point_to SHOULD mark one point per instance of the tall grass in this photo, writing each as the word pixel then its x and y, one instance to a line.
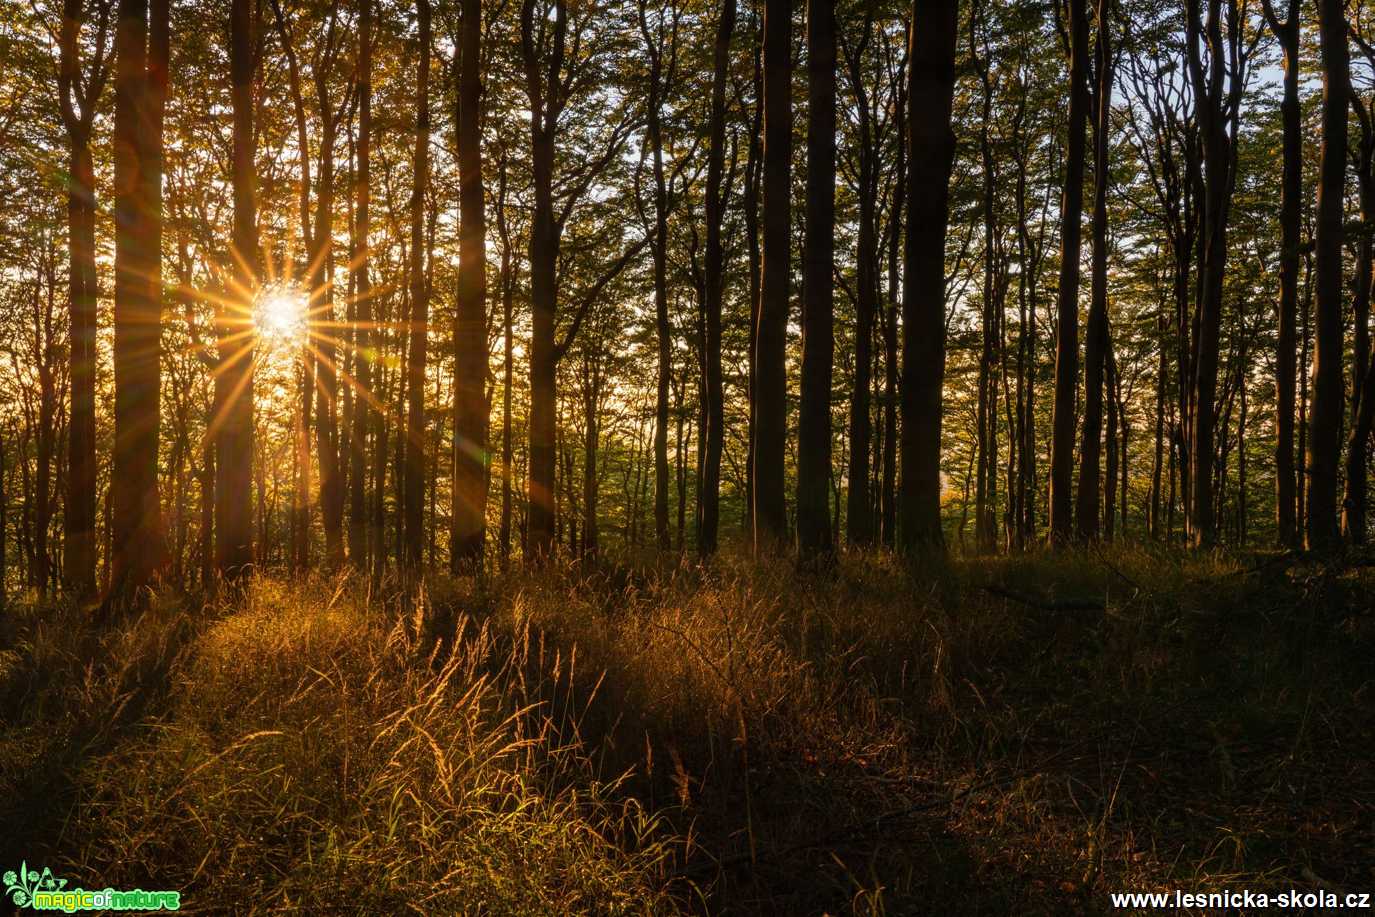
pixel 1015 734
pixel 306 754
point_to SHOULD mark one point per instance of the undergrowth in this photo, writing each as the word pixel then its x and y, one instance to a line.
pixel 1004 735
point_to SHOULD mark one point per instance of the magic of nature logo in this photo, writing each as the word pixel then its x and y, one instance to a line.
pixel 42 891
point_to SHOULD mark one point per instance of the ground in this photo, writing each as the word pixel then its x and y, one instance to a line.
pixel 1021 735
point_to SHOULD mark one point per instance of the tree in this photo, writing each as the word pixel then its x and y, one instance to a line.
pixel 556 64
pixel 1287 34
pixel 661 47
pixel 1096 343
pixel 79 98
pixel 141 54
pixel 931 156
pixel 413 486
pixel 1063 416
pixel 470 330
pixel 818 336
pixel 770 388
pixel 1217 90
pixel 710 496
pixel 234 376
pixel 362 536
pixel 1325 414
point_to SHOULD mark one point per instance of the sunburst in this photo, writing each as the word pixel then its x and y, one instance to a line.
pixel 279 315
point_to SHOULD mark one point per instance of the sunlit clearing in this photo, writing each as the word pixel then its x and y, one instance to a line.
pixel 280 315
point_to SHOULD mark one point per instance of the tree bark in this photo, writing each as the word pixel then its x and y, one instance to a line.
pixel 859 507
pixel 710 496
pixel 654 46
pixel 1063 419
pixel 818 289
pixel 140 90
pixel 470 331
pixel 79 511
pixel 416 434
pixel 931 156
pixel 361 535
pixel 1291 203
pixel 234 438
pixel 1325 414
pixel 1096 334
pixel 771 324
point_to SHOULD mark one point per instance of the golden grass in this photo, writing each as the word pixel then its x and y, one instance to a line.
pixel 1019 734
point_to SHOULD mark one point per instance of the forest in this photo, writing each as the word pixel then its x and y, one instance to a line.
pixel 687 456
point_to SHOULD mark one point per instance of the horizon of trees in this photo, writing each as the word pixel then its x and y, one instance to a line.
pixel 651 274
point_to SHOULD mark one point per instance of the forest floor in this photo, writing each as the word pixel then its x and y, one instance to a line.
pixel 1021 735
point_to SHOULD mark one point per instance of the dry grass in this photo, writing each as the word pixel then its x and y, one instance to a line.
pixel 1014 735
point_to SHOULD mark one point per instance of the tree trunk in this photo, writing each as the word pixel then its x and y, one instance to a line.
pixel 470 331
pixel 1067 305
pixel 888 496
pixel 322 341
pixel 414 485
pixel 1325 414
pixel 79 510
pixel 1218 157
pixel 1110 443
pixel 931 156
pixel 709 499
pixel 543 292
pixel 140 91
pixel 1291 203
pixel 986 415
pixel 771 324
pixel 234 438
pixel 753 184
pixel 859 510
pixel 1358 454
pixel 818 289
pixel 1096 334
pixel 361 535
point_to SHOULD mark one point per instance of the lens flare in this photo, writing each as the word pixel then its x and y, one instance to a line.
pixel 280 315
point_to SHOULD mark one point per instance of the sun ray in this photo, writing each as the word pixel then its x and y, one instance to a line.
pixel 280 315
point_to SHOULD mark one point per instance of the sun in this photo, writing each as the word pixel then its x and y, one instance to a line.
pixel 280 315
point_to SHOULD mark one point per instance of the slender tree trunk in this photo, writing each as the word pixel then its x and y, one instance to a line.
pixel 1218 158
pixel 1110 443
pixel 888 499
pixel 986 415
pixel 507 368
pixel 753 185
pixel 322 314
pixel 79 510
pixel 1354 498
pixel 931 156
pixel 1096 342
pixel 1324 441
pixel 859 516
pixel 771 323
pixel 662 329
pixel 361 535
pixel 591 399
pixel 140 88
pixel 818 335
pixel 1157 464
pixel 234 438
pixel 470 331
pixel 414 485
pixel 1291 202
pixel 544 246
pixel 1067 315
pixel 710 497
pixel 1358 454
